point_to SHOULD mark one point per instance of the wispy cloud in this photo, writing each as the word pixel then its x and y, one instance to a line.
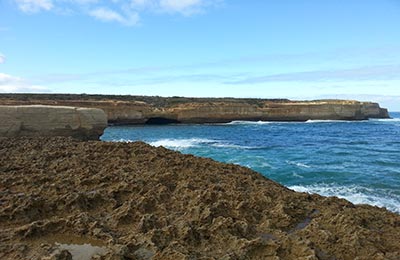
pixel 158 80
pixel 380 72
pixel 34 6
pixel 125 12
pixel 12 84
pixel 181 6
pixel 244 75
pixel 184 7
pixel 2 58
pixel 85 2
pixel 107 15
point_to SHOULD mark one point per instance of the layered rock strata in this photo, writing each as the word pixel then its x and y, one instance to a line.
pixel 153 110
pixel 61 197
pixel 42 120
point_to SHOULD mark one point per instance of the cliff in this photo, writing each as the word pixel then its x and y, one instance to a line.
pixel 158 110
pixel 41 120
pixel 60 198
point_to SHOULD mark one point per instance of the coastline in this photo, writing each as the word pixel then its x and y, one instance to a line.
pixel 124 110
pixel 138 201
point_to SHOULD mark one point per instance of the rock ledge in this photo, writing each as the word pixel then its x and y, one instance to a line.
pixel 42 120
pixel 165 110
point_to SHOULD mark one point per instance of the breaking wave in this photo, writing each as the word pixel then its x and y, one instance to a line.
pixel 195 142
pixel 239 122
pixel 181 143
pixel 330 121
pixel 355 194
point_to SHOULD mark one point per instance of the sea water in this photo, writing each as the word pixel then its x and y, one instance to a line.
pixel 355 160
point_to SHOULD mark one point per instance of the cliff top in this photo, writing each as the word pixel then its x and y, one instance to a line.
pixel 158 101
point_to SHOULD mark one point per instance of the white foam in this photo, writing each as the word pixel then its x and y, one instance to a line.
pixel 265 164
pixel 294 174
pixel 240 122
pixel 310 121
pixel 298 164
pixel 329 121
pixel 195 142
pixel 388 120
pixel 352 193
pixel 234 146
pixel 122 140
pixel 181 143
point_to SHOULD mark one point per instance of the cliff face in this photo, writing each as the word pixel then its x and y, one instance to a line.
pixel 270 111
pixel 141 110
pixel 40 120
pixel 134 201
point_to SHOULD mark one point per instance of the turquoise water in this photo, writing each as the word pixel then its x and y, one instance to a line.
pixel 358 161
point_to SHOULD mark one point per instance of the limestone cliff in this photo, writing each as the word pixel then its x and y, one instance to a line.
pixel 141 109
pixel 40 120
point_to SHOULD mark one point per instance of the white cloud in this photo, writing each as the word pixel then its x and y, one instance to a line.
pixel 181 6
pixel 107 15
pixel 377 72
pixel 85 2
pixel 185 7
pixel 34 6
pixel 142 3
pixel 12 84
pixel 2 58
pixel 126 12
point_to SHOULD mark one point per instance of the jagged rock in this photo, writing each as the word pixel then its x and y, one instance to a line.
pixel 41 120
pixel 135 201
pixel 59 255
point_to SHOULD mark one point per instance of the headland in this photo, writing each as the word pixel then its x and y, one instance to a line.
pixel 165 110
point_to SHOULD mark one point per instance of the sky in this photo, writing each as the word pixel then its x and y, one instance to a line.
pixel 297 49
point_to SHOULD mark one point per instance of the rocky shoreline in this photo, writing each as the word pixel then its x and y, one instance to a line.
pixel 165 110
pixel 61 197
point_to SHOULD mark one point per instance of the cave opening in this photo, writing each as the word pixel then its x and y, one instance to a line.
pixel 161 121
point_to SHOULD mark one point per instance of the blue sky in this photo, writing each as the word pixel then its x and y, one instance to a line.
pixel 298 49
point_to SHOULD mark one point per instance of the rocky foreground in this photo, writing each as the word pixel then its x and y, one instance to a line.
pixel 165 110
pixel 60 198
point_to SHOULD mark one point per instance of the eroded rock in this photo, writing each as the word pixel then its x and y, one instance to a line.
pixel 135 201
pixel 41 120
pixel 160 110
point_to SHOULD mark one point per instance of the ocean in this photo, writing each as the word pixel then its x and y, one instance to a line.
pixel 355 160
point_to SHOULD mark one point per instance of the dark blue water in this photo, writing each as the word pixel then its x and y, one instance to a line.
pixel 359 161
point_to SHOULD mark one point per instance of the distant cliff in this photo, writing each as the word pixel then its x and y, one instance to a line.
pixel 160 110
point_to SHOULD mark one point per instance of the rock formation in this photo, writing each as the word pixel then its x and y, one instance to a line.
pixel 41 120
pixel 153 110
pixel 60 197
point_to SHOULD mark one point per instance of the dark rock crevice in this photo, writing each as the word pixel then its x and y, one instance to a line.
pixel 161 121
